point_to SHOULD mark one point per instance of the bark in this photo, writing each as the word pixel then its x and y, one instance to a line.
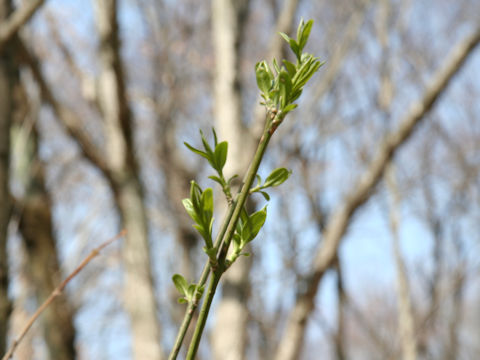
pixel 406 321
pixel 292 340
pixel 228 16
pixel 36 227
pixel 7 81
pixel 139 294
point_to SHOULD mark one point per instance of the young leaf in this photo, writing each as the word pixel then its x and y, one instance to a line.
pixel 215 140
pixel 265 195
pixel 302 41
pixel 207 147
pixel 293 44
pixel 291 68
pixel 236 243
pixel 285 87
pixel 253 225
pixel 259 179
pixel 180 283
pixel 221 155
pixel 196 151
pixel 286 37
pixel 300 29
pixel 207 202
pixel 264 77
pixel 276 177
pixel 218 180
pixel 238 227
pixel 191 291
pixel 187 204
pixel 204 233
pixel 289 108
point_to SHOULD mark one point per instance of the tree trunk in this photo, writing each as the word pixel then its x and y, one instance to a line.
pixel 36 227
pixel 139 293
pixel 7 79
pixel 228 16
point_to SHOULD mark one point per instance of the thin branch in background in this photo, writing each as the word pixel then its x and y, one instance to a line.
pixel 406 321
pixel 458 282
pixel 88 83
pixel 339 54
pixel 339 337
pixel 58 291
pixel 10 27
pixel 68 119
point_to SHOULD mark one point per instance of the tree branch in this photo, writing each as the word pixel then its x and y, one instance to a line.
pixel 67 118
pixel 11 26
pixel 58 291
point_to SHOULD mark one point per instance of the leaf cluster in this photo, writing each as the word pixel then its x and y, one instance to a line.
pixel 189 292
pixel 200 208
pixel 247 229
pixel 281 87
pixel 277 177
pixel 216 156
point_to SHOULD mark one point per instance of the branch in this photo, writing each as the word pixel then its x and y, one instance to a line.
pixel 11 26
pixel 58 291
pixel 405 314
pixel 237 207
pixel 87 82
pixel 341 218
pixel 67 118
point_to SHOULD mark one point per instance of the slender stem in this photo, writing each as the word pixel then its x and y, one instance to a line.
pixel 240 202
pixel 202 319
pixel 192 306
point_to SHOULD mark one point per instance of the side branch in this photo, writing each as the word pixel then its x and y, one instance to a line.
pixel 56 292
pixel 291 341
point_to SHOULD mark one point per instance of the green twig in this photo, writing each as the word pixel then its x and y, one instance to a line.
pixel 241 199
pixel 192 306
pixel 279 88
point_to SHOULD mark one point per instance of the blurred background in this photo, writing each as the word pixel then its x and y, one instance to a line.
pixel 370 249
